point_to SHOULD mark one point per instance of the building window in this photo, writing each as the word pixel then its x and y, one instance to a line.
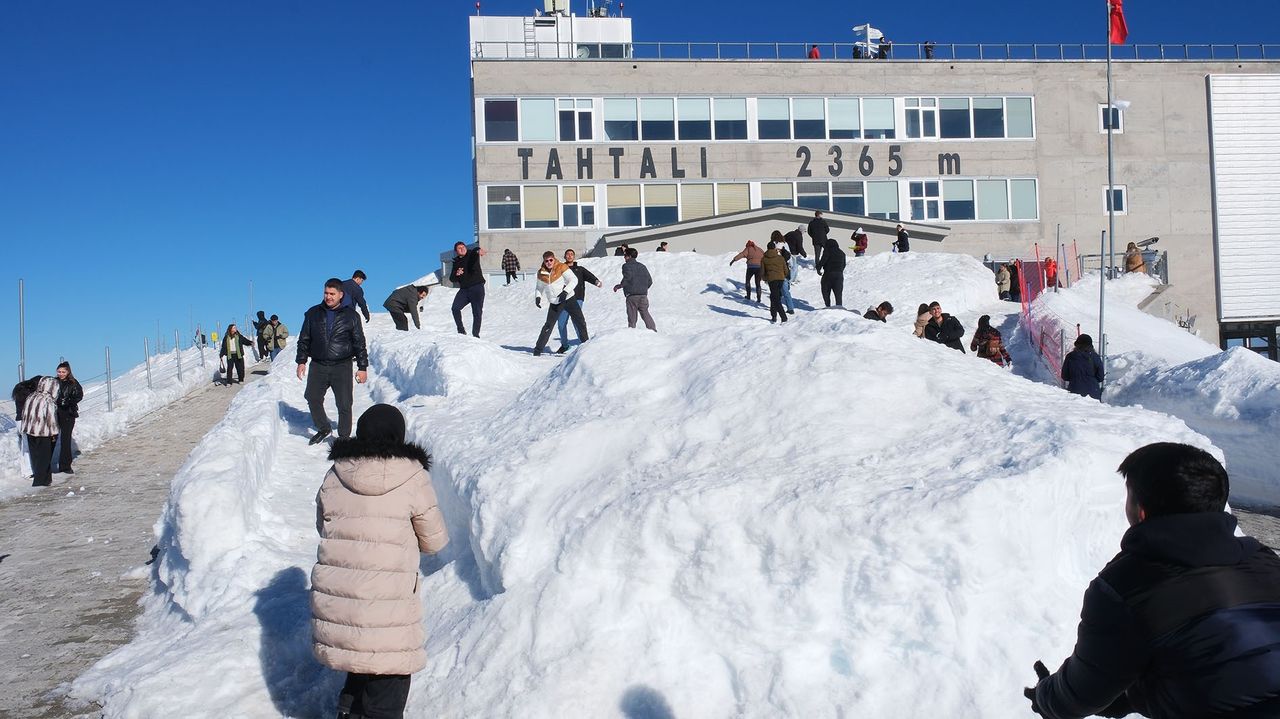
pixel 620 121
pixel 813 195
pixel 1018 117
pixel 1260 337
pixel 730 118
pixel 877 118
pixel 504 207
pixel 538 120
pixel 957 199
pixel 1022 200
pixel 1112 117
pixel 922 117
pixel 500 121
pixel 882 200
pixel 697 201
pixel 575 119
pixel 775 194
pixel 695 118
pixel 988 117
pixel 657 119
pixel 579 206
pixel 843 114
pixel 993 200
pixel 660 207
pixel 1117 198
pixel 811 122
pixel 624 206
pixel 847 197
pixel 773 118
pixel 926 200
pixel 541 205
pixel 954 117
pixel 732 197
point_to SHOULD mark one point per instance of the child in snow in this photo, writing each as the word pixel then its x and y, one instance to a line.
pixel 375 512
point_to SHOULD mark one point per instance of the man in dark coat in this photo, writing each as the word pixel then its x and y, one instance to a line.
pixel 903 244
pixel 830 264
pixel 353 293
pixel 331 337
pixel 818 231
pixel 405 301
pixel 635 285
pixel 795 241
pixel 579 296
pixel 469 279
pixel 943 328
pixel 260 338
pixel 1185 620
pixel 1082 369
pixel 880 313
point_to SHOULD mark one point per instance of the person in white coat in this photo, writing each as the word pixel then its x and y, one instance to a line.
pixel 556 282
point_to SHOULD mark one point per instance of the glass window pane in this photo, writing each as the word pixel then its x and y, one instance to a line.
pixel 620 119
pixel 660 204
pixel 882 200
pixel 538 120
pixel 773 118
pixel 585 104
pixel 733 197
pixel 570 194
pixel 988 117
pixel 696 201
pixel 1022 193
pixel 659 194
pixel 541 207
pixel 657 118
pixel 913 123
pixel 813 195
pixel 1018 110
pixel 774 194
pixel 955 117
pixel 503 207
pixel 957 199
pixel 695 118
pixel 810 118
pixel 588 215
pixel 568 126
pixel 564 104
pixel 731 118
pixel 993 200
pixel 500 120
pixel 588 194
pixel 624 205
pixel 570 216
pixel 847 197
pixel 844 117
pixel 877 118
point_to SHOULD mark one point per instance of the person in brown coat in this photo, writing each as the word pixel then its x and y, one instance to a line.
pixel 754 256
pixel 375 512
pixel 1133 260
pixel 776 273
pixel 923 315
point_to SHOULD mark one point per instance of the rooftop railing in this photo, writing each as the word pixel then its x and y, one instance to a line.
pixel 846 51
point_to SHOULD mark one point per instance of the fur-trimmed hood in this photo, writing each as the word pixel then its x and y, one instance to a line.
pixel 375 468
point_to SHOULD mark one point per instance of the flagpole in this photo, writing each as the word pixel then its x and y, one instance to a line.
pixel 1111 192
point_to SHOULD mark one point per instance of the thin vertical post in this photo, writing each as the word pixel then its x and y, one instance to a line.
pixel 22 332
pixel 1102 300
pixel 1057 254
pixel 159 344
pixel 111 400
pixel 1111 161
pixel 146 358
pixel 177 353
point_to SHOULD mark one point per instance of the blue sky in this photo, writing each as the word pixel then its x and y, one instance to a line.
pixel 156 158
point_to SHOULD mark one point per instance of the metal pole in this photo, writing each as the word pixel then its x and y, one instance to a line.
pixel 146 358
pixel 1102 303
pixel 110 397
pixel 177 353
pixel 22 333
pixel 1057 255
pixel 1111 163
pixel 159 344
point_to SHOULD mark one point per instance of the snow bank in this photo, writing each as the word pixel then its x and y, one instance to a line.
pixel 729 518
pixel 131 400
pixel 1231 397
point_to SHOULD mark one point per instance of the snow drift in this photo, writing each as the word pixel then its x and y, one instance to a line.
pixel 728 518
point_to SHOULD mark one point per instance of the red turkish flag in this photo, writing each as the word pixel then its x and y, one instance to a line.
pixel 1119 28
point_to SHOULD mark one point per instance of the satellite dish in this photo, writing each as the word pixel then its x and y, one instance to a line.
pixel 584 51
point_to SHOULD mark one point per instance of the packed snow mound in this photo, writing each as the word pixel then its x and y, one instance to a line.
pixel 727 518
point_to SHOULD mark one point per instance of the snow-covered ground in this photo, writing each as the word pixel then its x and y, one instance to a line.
pixel 131 399
pixel 1231 397
pixel 829 517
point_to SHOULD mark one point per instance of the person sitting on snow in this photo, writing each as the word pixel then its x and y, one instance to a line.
pixel 943 328
pixel 880 313
pixel 1185 620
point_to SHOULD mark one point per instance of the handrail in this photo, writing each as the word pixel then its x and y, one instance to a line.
pixel 844 51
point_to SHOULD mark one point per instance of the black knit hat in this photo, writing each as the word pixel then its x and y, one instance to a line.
pixel 381 423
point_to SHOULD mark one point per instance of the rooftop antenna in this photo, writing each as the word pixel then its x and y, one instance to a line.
pixel 477 8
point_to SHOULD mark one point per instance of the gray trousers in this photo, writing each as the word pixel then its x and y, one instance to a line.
pixel 320 377
pixel 639 305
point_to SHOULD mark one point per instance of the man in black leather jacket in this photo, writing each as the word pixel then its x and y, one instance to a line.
pixel 331 337
pixel 1185 620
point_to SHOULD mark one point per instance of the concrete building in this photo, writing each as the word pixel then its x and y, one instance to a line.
pixel 581 133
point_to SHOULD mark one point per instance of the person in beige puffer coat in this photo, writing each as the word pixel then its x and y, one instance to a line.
pixel 375 512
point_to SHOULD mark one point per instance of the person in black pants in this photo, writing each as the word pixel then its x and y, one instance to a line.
pixel 818 231
pixel 831 267
pixel 331 337
pixel 232 351
pixel 469 278
pixel 69 395
pixel 403 302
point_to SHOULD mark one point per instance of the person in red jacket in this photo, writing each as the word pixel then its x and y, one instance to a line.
pixel 1050 272
pixel 813 53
